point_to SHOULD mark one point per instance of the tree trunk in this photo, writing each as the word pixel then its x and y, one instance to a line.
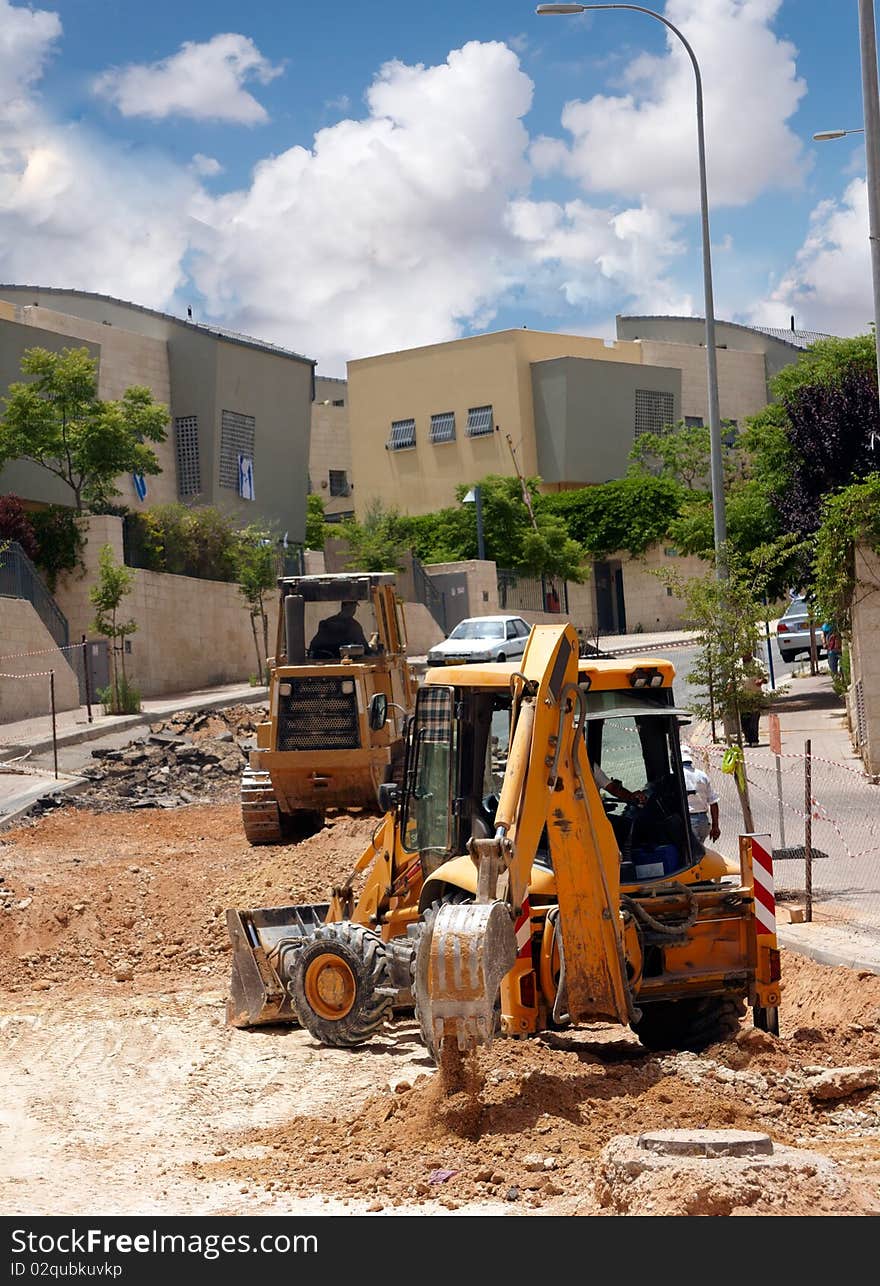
pixel 265 617
pixel 257 647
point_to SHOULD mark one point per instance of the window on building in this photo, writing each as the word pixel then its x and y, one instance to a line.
pixel 693 421
pixel 339 482
pixel 480 421
pixel 443 427
pixel 403 435
pixel 186 442
pixel 654 411
pixel 237 434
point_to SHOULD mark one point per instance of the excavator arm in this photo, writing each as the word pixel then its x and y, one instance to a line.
pixel 465 950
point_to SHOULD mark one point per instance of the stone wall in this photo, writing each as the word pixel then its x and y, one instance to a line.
pixel 863 699
pixel 191 633
pixel 22 631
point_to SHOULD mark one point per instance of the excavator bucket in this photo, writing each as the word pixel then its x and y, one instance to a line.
pixel 464 951
pixel 262 941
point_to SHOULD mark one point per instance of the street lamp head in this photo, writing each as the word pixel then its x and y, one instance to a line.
pixel 826 134
pixel 543 9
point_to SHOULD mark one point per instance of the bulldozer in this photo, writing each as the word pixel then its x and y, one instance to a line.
pixel 504 894
pixel 316 751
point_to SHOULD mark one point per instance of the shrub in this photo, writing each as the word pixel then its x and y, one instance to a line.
pixel 15 525
pixel 59 542
pixel 124 699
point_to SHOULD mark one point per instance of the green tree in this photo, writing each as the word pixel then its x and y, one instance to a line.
pixel 58 421
pixel 114 583
pixel 629 513
pixel 315 526
pixel 850 517
pixel 379 542
pixel 257 574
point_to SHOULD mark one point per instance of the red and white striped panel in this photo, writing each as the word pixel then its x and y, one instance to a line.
pixel 765 893
pixel 523 929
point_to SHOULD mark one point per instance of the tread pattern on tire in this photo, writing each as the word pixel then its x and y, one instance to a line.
pixel 689 1024
pixel 366 955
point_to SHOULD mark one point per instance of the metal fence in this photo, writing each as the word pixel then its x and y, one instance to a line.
pixel 519 593
pixel 808 802
pixel 426 592
pixel 19 578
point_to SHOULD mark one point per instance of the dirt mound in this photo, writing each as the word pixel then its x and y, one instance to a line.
pixel 126 896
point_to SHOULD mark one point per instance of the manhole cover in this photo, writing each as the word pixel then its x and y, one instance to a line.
pixel 706 1143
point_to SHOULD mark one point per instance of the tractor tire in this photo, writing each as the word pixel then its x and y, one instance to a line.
pixel 766 1018
pixel 692 1024
pixel 338 983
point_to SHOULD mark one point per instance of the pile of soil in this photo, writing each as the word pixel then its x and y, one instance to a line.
pixel 191 757
pixel 130 895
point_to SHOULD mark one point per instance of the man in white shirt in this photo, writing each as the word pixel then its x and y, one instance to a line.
pixel 702 799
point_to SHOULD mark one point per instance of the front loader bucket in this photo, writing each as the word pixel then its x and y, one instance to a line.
pixel 262 940
pixel 463 953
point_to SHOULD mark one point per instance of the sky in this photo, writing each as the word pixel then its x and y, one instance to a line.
pixel 346 179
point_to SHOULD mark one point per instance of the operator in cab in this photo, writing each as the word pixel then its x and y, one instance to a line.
pixel 342 629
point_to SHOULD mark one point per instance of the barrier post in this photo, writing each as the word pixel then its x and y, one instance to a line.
pixel 88 684
pixel 54 732
pixel 808 831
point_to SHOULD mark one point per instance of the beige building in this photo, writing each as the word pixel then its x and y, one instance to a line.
pixel 239 408
pixel 424 420
pixel 330 472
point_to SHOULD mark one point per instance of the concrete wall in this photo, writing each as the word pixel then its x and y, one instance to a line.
pixel 482 370
pixel 482 583
pixel 191 633
pixel 22 631
pixel 330 444
pixel 731 336
pixel 863 700
pixel 585 415
pixel 742 379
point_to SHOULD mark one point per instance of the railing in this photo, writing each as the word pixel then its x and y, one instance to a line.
pixel 520 593
pixel 19 578
pixel 427 592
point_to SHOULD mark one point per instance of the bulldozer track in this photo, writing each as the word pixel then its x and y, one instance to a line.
pixel 260 814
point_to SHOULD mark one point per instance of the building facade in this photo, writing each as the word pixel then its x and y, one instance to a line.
pixel 330 470
pixel 239 409
pixel 567 408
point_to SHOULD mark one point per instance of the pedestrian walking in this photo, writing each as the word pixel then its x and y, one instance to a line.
pixel 833 646
pixel 702 799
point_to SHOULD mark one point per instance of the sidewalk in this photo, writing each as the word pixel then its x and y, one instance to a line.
pixel 811 710
pixel 72 726
pixel 23 782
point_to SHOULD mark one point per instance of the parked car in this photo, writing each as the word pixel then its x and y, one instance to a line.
pixel 482 638
pixel 793 631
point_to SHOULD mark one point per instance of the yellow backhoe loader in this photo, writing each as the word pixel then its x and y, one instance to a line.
pixel 505 894
pixel 317 750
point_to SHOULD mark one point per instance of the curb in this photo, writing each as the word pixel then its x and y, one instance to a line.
pixel 651 647
pixel 125 722
pixel 72 786
pixel 792 938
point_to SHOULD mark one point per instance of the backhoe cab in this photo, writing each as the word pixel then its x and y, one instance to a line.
pixel 502 893
pixel 341 640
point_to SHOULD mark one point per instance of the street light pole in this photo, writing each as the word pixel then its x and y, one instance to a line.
pixel 868 48
pixel 716 470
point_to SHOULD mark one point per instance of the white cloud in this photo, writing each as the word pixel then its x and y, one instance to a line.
pixel 26 40
pixel 829 286
pixel 207 166
pixel 642 144
pixel 389 232
pixel 203 81
pixel 601 256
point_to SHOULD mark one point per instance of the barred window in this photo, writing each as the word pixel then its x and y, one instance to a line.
pixel 339 482
pixel 403 435
pixel 443 427
pixel 654 411
pixel 237 434
pixel 186 441
pixel 693 421
pixel 479 421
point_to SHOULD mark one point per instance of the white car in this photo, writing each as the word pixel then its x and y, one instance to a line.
pixel 482 638
pixel 793 632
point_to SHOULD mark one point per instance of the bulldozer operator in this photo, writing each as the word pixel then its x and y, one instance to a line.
pixel 342 629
